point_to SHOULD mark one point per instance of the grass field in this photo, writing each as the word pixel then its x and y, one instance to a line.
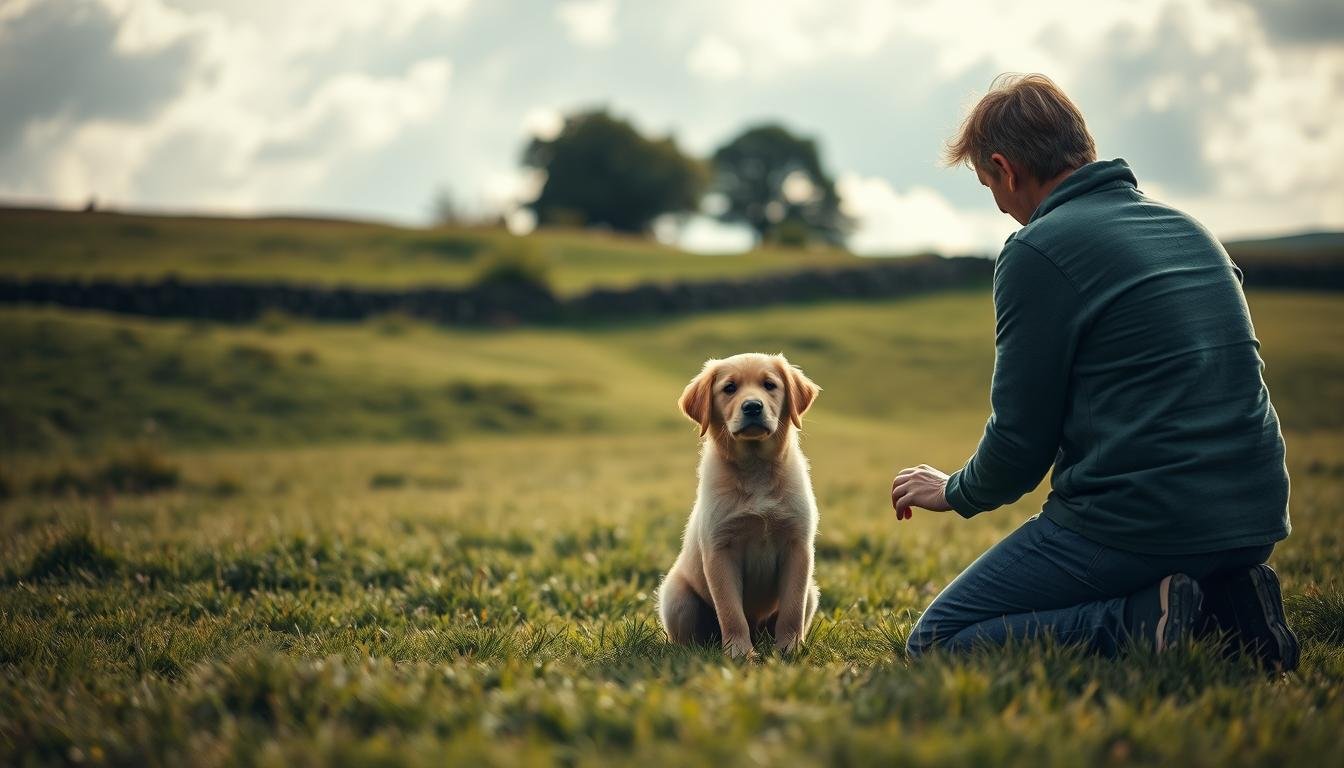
pixel 113 245
pixel 393 543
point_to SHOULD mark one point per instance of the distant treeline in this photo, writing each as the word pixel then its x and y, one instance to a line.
pixel 532 302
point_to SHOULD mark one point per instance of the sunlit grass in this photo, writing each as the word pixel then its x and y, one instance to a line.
pixel 488 596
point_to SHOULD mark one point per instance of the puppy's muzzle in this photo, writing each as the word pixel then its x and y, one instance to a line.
pixel 753 422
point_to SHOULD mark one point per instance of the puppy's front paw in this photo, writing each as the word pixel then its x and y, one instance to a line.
pixel 739 648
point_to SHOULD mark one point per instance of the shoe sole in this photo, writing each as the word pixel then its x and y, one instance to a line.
pixel 1257 627
pixel 1181 599
pixel 1270 597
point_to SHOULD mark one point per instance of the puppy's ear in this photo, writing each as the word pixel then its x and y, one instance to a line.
pixel 698 398
pixel 801 391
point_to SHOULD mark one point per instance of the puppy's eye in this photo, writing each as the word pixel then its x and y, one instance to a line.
pixel 729 388
pixel 769 385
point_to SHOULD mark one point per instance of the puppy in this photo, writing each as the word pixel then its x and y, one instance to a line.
pixel 747 555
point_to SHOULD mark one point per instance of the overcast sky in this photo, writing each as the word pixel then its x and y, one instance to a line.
pixel 1231 109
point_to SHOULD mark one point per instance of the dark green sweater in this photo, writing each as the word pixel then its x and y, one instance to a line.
pixel 1125 356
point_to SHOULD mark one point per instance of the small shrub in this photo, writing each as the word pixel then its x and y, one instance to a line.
pixel 385 480
pixel 74 554
pixel 792 234
pixel 225 486
pixel 128 337
pixel 138 231
pixel 137 468
pixel 255 356
pixel 424 427
pixel 515 264
pixel 274 321
pixel 65 479
pixel 394 323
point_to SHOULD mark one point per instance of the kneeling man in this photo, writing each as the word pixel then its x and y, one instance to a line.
pixel 1126 358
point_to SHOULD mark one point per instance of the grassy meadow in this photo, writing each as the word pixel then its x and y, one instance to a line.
pixel 291 543
pixel 332 251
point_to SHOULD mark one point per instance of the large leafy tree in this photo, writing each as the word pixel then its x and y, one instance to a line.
pixel 601 171
pixel 773 181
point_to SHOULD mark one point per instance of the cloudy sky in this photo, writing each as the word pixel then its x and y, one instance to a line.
pixel 1231 109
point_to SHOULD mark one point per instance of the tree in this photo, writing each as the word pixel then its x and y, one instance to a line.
pixel 443 209
pixel 773 181
pixel 601 171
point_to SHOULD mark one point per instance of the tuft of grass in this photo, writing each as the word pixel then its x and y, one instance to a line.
pixel 226 485
pixel 274 321
pixel 73 554
pixel 136 468
pixel 388 480
pixel 1317 615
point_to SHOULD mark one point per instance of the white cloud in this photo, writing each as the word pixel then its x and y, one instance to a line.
pixel 590 23
pixel 261 135
pixel 295 105
pixel 703 234
pixel 1286 132
pixel 714 59
pixel 771 37
pixel 358 111
pixel 543 123
pixel 920 219
pixel 506 190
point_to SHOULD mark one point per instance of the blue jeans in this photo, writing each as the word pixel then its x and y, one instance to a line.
pixel 1044 580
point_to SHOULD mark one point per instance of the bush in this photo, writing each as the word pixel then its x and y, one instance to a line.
pixel 136 468
pixel 792 234
pixel 225 486
pixel 394 323
pixel 516 263
pixel 254 356
pixel 383 480
pixel 74 553
pixel 274 321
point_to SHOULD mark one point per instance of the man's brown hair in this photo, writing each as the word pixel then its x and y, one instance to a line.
pixel 1029 120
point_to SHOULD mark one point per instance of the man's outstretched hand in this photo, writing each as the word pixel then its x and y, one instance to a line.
pixel 921 486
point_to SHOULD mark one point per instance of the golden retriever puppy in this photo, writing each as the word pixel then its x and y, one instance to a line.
pixel 747 555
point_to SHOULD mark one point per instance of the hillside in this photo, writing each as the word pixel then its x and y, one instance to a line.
pixel 322 251
pixel 78 380
pixel 316 251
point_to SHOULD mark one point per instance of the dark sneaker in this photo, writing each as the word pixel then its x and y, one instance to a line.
pixel 1165 615
pixel 1247 605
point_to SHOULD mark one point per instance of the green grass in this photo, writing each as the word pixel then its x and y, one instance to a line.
pixel 110 245
pixel 485 596
pixel 79 380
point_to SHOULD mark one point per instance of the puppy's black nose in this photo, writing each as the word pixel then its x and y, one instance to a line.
pixel 752 408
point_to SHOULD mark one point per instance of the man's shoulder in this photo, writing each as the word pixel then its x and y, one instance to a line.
pixel 1102 242
pixel 1021 263
pixel 1080 218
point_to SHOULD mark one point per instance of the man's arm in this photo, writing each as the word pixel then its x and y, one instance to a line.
pixel 1036 314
